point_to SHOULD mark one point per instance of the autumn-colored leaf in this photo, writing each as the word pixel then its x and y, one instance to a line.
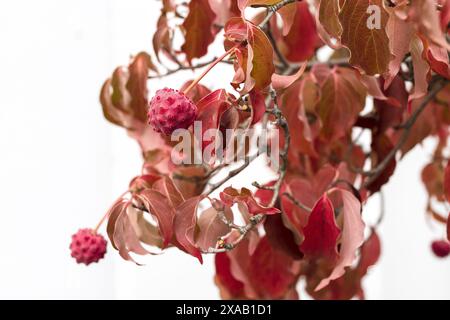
pixel 211 227
pixel 198 25
pixel 184 226
pixel 281 82
pixel 258 104
pixel 328 17
pixel 114 212
pixel 166 187
pixel 280 237
pixel 137 84
pixel 307 192
pixel 197 92
pixel 448 228
pixel 231 196
pixel 162 37
pixel 421 70
pixel 271 271
pixel 433 179
pixel 351 239
pixel 369 46
pixel 425 17
pixel 145 231
pixel 341 101
pixel 255 61
pixel 230 287
pixel 321 232
pixel 210 110
pixel 381 146
pixel 447 182
pixel 301 41
pixel 400 32
pixel 158 205
pixel 389 115
pixel 370 253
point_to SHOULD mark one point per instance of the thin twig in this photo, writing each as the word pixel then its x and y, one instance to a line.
pixel 185 68
pixel 274 8
pixel 296 202
pixel 376 172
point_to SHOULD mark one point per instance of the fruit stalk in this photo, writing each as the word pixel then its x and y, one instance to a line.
pixel 205 72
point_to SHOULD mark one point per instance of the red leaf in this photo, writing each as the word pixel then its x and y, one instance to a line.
pixel 421 69
pixel 381 147
pixel 224 10
pixel 271 271
pixel 184 226
pixel 400 33
pixel 166 187
pixel 211 227
pixel 258 105
pixel 370 253
pixel 280 237
pixel 210 110
pixel 447 182
pixel 281 82
pixel 231 196
pixel 321 232
pixel 198 26
pixel 266 274
pixel 307 192
pixel 254 63
pixel 197 92
pixel 162 37
pixel 231 288
pixel 342 99
pixel 448 228
pixel 351 239
pixel 137 84
pixel 301 41
pixel 425 17
pixel 158 205
pixel 117 208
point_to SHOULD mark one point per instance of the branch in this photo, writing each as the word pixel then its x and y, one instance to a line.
pixel 276 49
pixel 183 68
pixel 272 9
pixel 296 202
pixel 256 219
pixel 281 122
pixel 232 173
pixel 407 126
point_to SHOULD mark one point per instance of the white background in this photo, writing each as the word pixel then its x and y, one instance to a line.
pixel 62 165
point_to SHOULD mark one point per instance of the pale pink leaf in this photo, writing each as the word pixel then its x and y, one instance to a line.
pixel 351 239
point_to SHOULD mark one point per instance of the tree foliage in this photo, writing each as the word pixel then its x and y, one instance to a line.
pixel 387 76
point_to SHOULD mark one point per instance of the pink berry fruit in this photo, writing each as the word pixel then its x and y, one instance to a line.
pixel 87 246
pixel 441 248
pixel 169 110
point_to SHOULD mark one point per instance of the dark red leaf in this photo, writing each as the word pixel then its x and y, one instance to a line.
pixel 199 32
pixel 321 232
pixel 184 226
pixel 447 182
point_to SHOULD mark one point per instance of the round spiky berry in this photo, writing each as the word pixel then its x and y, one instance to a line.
pixel 87 246
pixel 169 110
pixel 441 248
